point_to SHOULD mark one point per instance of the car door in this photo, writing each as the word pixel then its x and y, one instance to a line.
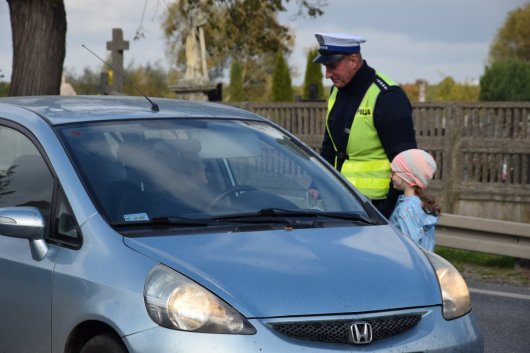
pixel 25 283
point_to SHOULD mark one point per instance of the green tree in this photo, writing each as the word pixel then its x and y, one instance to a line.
pixel 282 90
pixel 243 30
pixel 507 80
pixel 445 89
pixel 448 90
pixel 151 80
pixel 257 78
pixel 468 92
pixel 513 38
pixel 313 75
pixel 508 75
pixel 235 90
pixel 87 83
pixel 4 86
pixel 4 89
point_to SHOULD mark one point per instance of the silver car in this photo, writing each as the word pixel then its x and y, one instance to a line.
pixel 165 226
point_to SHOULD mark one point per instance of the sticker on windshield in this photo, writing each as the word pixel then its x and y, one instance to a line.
pixel 136 217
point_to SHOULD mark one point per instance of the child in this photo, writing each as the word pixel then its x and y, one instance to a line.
pixel 415 214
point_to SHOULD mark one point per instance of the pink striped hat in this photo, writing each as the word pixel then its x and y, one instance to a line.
pixel 414 166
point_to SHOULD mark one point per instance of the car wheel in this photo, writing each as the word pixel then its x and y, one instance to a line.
pixel 104 343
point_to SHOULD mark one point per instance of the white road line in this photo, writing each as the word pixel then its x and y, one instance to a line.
pixel 500 294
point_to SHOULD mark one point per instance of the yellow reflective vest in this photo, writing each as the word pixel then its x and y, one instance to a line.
pixel 366 166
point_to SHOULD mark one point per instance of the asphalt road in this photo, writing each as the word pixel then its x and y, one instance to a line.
pixel 503 314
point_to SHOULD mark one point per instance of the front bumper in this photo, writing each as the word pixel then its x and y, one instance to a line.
pixel 432 333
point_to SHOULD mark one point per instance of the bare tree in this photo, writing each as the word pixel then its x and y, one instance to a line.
pixel 39 38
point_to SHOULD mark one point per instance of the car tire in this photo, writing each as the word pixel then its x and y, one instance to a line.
pixel 104 343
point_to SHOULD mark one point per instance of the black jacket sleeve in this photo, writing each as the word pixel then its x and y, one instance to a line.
pixel 327 151
pixel 393 122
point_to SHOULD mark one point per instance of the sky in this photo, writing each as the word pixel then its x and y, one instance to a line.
pixel 406 39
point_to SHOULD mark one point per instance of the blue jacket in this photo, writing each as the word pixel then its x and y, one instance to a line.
pixel 411 219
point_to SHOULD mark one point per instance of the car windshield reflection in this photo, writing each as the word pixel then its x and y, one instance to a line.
pixel 141 171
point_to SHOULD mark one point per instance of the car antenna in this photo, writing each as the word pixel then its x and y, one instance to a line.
pixel 154 106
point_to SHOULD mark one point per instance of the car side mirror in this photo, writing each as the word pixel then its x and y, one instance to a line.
pixel 25 223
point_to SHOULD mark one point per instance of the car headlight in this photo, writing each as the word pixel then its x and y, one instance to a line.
pixel 455 294
pixel 174 301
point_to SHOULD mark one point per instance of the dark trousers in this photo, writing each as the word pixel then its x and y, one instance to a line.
pixel 386 206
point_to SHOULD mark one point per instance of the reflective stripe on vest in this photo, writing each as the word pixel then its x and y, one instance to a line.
pixel 367 166
pixel 371 178
pixel 331 101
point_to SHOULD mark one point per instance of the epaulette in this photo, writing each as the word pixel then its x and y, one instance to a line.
pixel 383 86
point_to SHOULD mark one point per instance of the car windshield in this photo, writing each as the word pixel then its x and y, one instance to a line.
pixel 143 171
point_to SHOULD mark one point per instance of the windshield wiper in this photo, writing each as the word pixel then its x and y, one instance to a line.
pixel 278 215
pixel 166 221
pixel 355 217
pixel 266 215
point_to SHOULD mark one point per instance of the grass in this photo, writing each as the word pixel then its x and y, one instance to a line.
pixel 487 267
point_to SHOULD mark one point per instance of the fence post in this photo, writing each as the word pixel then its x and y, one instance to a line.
pixel 453 159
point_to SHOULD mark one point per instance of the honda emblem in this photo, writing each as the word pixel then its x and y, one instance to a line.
pixel 361 332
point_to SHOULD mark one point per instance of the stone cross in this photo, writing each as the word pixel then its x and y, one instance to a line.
pixel 117 46
pixel 196 69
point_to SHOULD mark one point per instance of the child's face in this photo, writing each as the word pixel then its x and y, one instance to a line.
pixel 399 183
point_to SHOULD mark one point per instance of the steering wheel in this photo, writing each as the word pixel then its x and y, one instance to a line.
pixel 228 192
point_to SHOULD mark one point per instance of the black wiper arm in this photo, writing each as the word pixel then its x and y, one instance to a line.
pixel 348 217
pixel 283 212
pixel 180 221
pixel 164 221
pixel 270 214
pixel 337 215
pixel 265 213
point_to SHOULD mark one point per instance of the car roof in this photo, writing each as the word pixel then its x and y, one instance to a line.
pixel 68 109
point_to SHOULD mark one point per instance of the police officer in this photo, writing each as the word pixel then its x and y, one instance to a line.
pixel 369 119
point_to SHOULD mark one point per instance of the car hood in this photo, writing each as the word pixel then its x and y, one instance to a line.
pixel 302 272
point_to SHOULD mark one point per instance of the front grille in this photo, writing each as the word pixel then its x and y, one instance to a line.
pixel 339 331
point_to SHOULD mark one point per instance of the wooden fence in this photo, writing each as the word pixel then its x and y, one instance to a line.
pixel 482 151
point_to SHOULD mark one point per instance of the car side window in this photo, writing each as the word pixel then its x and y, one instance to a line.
pixel 25 179
pixel 66 230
